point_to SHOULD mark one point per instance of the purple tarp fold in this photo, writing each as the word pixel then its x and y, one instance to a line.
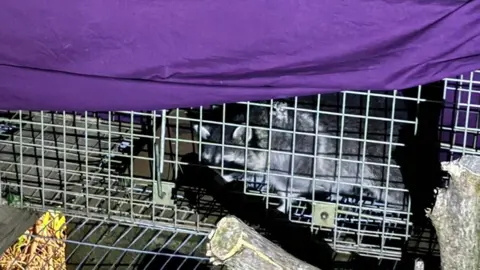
pixel 145 55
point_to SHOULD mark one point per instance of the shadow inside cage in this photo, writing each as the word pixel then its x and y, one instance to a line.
pixel 421 171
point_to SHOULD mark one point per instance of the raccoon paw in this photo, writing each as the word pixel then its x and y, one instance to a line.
pixel 284 202
pixel 281 209
pixel 279 106
pixel 279 110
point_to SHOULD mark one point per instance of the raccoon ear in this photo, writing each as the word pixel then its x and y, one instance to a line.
pixel 239 133
pixel 203 131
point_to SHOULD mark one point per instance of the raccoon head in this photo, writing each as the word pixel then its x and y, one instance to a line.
pixel 235 142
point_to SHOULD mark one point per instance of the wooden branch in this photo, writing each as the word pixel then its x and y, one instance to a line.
pixel 237 246
pixel 456 215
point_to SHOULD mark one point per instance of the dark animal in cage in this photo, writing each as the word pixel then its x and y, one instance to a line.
pixel 288 146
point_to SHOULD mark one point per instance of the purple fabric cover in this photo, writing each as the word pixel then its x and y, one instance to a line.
pixel 156 54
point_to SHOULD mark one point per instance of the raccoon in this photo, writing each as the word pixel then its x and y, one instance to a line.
pixel 291 175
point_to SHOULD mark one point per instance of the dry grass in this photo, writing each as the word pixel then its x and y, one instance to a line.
pixel 41 247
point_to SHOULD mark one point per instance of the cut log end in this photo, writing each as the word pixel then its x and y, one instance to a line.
pixel 237 246
pixel 225 239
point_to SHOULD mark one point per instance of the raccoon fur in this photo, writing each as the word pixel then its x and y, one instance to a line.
pixel 293 178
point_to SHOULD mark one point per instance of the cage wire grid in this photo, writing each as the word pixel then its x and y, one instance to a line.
pixel 103 166
pixel 87 165
pixel 463 96
pixel 345 211
pixel 61 151
pixel 99 243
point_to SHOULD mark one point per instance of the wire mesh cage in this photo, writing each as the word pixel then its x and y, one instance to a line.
pixel 95 165
pixel 460 119
pixel 97 243
pixel 125 178
pixel 352 226
pixel 410 131
pixel 101 244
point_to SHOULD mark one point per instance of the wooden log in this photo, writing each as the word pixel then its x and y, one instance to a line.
pixel 237 246
pixel 456 215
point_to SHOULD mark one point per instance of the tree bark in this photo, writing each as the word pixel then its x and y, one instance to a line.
pixel 237 246
pixel 456 215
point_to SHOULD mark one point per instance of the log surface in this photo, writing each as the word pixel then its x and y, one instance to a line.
pixel 237 246
pixel 456 215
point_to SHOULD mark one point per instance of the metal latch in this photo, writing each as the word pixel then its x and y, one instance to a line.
pixel 162 191
pixel 323 214
pixel 163 194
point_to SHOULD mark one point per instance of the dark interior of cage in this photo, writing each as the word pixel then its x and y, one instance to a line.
pixel 361 220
